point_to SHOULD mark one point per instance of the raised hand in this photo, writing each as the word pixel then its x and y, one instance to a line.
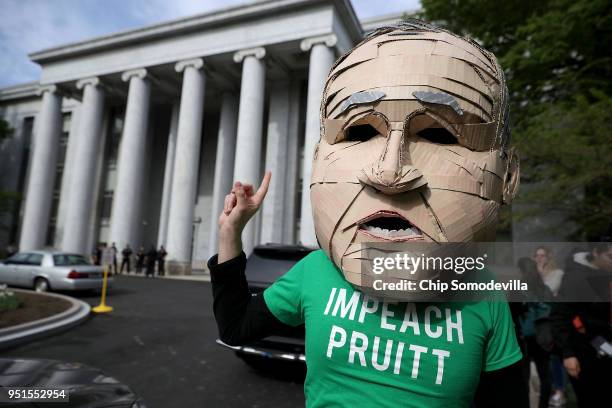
pixel 239 207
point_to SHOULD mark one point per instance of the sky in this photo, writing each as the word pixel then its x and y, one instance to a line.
pixel 32 25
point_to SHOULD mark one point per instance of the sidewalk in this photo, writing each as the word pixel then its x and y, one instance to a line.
pixel 77 313
pixel 199 275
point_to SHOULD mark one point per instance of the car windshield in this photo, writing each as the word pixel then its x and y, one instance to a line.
pixel 69 260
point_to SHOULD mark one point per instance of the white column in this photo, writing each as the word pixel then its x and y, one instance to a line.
pixel 250 122
pixel 224 164
pixel 273 211
pixel 42 171
pixel 127 199
pixel 186 162
pixel 69 163
pixel 81 199
pixel 168 169
pixel 321 59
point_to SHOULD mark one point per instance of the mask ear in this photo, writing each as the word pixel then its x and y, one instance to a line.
pixel 511 178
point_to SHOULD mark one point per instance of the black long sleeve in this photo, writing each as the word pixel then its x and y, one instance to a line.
pixel 241 317
pixel 504 388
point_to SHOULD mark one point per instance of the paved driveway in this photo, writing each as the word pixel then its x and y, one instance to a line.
pixel 160 340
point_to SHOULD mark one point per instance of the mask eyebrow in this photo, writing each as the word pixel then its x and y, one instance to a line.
pixel 360 98
pixel 439 98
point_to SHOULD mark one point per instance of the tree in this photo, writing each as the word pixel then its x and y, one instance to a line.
pixel 555 54
pixel 5 130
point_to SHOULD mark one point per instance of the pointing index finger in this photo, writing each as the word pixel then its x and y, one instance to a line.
pixel 263 189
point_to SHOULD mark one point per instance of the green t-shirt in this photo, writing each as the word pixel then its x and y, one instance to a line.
pixel 361 351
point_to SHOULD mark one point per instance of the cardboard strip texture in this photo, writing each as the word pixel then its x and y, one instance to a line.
pixel 460 223
pixel 337 129
pixel 361 98
pixel 446 37
pixel 442 37
pixel 439 98
pixel 337 163
pixel 476 136
pixel 484 67
pixel 438 48
pixel 357 115
pixel 338 204
pixel 397 65
pixel 372 118
pixel 434 65
pixel 409 206
pixel 391 80
pixel 403 86
pixel 489 191
pixel 364 53
pixel 436 118
pixel 414 146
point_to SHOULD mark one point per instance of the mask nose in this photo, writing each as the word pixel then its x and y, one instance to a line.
pixel 389 174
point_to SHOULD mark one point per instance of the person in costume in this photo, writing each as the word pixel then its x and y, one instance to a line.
pixel 414 147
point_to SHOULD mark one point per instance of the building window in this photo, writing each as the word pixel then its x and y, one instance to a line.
pixel 59 173
pixel 107 204
pixel 51 233
pixel 114 136
pixel 63 146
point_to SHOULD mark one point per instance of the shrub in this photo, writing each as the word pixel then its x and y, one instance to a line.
pixel 8 300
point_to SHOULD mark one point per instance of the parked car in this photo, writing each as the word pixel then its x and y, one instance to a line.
pixel 265 265
pixel 86 386
pixel 51 270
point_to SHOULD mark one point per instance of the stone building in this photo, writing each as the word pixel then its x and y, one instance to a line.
pixel 136 137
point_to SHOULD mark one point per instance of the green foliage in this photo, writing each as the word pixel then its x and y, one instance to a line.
pixel 8 300
pixel 568 153
pixel 5 130
pixel 556 57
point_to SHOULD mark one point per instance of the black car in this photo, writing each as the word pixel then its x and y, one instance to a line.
pixel 87 387
pixel 265 265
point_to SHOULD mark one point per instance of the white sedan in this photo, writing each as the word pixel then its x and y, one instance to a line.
pixel 51 270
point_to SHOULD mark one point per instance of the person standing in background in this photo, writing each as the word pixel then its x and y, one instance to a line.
pixel 126 254
pixel 530 322
pixel 547 268
pixel 11 250
pixel 96 255
pixel 113 249
pixel 150 261
pixel 140 259
pixel 552 276
pixel 161 261
pixel 581 326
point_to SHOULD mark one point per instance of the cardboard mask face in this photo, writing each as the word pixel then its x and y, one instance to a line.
pixel 414 144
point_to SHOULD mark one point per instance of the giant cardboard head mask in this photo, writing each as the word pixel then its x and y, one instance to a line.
pixel 414 144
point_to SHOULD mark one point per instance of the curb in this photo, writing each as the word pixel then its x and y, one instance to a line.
pixel 205 277
pixel 26 332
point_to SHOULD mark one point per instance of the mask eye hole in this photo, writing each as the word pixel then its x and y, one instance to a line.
pixel 438 136
pixel 360 133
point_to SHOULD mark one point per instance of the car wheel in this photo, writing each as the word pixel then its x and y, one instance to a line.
pixel 41 285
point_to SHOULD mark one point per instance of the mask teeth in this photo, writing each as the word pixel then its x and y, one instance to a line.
pixel 408 232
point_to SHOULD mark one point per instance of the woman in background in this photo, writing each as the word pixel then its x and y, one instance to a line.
pixel 552 276
pixel 547 268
